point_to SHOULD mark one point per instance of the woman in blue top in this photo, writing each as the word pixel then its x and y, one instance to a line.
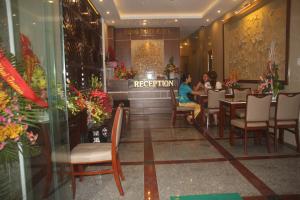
pixel 184 90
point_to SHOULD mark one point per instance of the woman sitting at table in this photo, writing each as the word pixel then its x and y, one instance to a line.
pixel 204 84
pixel 184 100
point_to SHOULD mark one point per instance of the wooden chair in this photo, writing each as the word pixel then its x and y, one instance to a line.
pixel 213 104
pixel 98 153
pixel 286 116
pixel 241 94
pixel 257 118
pixel 178 110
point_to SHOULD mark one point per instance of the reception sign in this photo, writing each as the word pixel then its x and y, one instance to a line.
pixel 152 83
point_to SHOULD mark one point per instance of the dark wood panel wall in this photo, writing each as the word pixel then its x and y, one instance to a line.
pixel 123 36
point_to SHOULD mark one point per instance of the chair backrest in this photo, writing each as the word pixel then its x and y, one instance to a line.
pixel 258 108
pixel 214 96
pixel 241 93
pixel 117 127
pixel 173 98
pixel 288 106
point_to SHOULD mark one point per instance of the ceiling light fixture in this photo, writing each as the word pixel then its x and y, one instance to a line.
pixel 219 11
pixel 100 0
pixel 113 21
pixel 107 12
pixel 175 20
pixel 50 1
pixel 185 44
pixel 207 20
pixel 144 23
pixel 144 20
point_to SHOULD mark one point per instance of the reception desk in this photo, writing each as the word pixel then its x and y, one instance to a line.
pixel 143 96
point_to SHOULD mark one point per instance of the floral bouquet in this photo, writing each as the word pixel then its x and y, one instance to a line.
pixel 22 98
pixel 232 81
pixel 269 81
pixel 170 67
pixel 95 101
pixel 120 72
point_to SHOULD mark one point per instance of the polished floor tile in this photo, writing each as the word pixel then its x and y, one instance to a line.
pixel 254 149
pixel 175 134
pixel 201 178
pixel 281 175
pixel 184 150
pixel 131 152
pixel 103 186
pixel 133 135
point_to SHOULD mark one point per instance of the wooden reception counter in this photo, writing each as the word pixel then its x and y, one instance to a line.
pixel 144 96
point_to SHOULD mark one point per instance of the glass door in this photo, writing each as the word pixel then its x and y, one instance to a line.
pixel 32 30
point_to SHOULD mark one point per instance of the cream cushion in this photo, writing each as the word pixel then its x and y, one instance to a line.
pixel 240 123
pixel 241 113
pixel 182 108
pixel 91 152
pixel 272 123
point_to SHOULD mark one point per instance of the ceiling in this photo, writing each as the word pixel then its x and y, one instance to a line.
pixel 188 15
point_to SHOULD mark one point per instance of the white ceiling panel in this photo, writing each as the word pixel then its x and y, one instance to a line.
pixel 188 15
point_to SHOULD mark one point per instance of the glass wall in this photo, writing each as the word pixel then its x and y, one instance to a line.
pixel 37 25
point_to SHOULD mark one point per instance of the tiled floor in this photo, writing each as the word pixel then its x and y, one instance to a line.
pixel 160 161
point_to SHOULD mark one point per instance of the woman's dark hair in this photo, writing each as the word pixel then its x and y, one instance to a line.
pixel 202 81
pixel 184 77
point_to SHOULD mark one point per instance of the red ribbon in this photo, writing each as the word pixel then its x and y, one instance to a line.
pixel 13 78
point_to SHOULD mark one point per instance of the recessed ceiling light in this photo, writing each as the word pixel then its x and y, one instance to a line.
pixel 33 23
pixel 185 44
pixel 175 20
pixel 14 15
pixel 107 12
pixel 144 23
pixel 113 21
pixel 144 20
pixel 219 11
pixel 50 1
pixel 101 0
pixel 207 20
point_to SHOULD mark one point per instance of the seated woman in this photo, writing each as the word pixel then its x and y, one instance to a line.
pixel 204 84
pixel 184 90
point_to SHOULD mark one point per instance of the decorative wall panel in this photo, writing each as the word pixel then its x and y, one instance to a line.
pixel 147 55
pixel 247 41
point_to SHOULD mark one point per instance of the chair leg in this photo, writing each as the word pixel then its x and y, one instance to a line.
pixel 207 121
pixel 117 177
pixel 120 169
pixel 297 138
pixel 281 136
pixel 231 136
pixel 80 169
pixel 173 118
pixel 73 181
pixel 275 140
pixel 268 140
pixel 245 142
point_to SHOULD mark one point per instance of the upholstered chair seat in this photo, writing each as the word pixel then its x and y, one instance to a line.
pixel 257 118
pixel 281 123
pixel 178 110
pixel 91 152
pixel 213 103
pixel 181 108
pixel 98 153
pixel 240 123
pixel 286 117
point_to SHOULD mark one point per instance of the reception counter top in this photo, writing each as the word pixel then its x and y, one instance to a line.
pixel 144 96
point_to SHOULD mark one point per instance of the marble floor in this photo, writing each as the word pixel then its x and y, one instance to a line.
pixel 160 161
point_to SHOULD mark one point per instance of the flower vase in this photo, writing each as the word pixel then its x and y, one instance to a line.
pixel 171 75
